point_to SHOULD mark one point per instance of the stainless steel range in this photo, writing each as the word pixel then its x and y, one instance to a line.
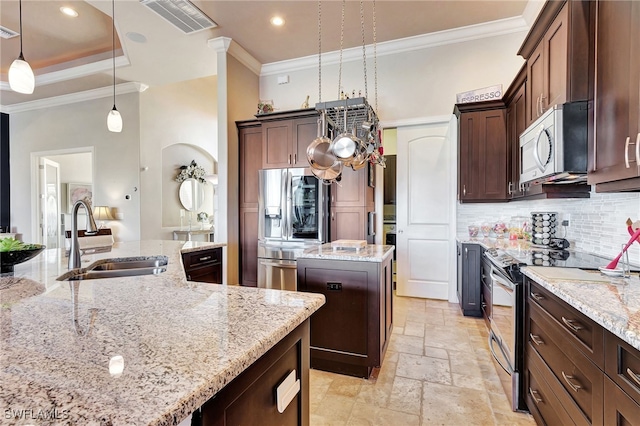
pixel 505 306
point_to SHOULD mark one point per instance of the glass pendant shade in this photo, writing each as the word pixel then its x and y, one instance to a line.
pixel 114 120
pixel 21 78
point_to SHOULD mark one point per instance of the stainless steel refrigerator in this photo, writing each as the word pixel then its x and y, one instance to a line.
pixel 292 216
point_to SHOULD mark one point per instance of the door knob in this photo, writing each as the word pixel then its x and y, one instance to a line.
pixel 400 231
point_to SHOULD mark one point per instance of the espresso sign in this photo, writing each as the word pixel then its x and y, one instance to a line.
pixel 491 93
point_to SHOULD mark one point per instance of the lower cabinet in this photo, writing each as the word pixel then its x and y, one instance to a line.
pixel 575 371
pixel 204 266
pixel 251 398
pixel 469 278
pixel 350 333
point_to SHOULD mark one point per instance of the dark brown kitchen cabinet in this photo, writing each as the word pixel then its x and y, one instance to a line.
pixel 482 152
pixel 564 351
pixel 351 207
pixel 515 100
pixel 469 284
pixel 619 408
pixel 250 398
pixel 575 371
pixel 250 157
pixel 559 54
pixel 547 69
pixel 351 332
pixel 285 141
pixel 203 265
pixel 616 149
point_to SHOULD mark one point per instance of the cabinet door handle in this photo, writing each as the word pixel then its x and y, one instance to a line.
pixel 571 381
pixel 538 106
pixel 332 216
pixel 634 376
pixel 295 158
pixel 534 395
pixel 203 259
pixel 509 190
pixel 537 297
pixel 536 339
pixel 289 159
pixel 542 98
pixel 572 324
pixel 464 190
pixel 626 152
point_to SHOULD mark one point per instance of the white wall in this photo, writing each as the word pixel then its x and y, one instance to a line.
pixel 180 113
pixel 80 125
pixel 420 83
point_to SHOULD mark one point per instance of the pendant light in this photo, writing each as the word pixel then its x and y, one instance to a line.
pixel 21 78
pixel 114 119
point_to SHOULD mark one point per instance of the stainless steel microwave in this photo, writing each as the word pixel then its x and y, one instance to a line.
pixel 554 148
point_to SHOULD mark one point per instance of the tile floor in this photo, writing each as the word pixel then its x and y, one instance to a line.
pixel 437 371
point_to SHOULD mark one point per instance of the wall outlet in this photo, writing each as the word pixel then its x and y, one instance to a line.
pixel 565 222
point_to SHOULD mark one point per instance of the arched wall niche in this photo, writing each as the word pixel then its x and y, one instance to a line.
pixel 173 157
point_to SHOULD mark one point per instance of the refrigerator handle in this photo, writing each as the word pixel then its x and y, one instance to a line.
pixel 286 188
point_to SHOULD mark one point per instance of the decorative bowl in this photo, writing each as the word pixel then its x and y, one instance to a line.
pixel 8 259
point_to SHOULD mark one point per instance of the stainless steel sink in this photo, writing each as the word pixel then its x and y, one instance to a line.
pixel 130 263
pixel 114 268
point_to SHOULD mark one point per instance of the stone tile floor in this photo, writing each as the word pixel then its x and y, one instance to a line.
pixel 437 371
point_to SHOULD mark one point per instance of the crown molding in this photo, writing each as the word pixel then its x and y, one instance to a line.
pixel 71 98
pixel 408 44
pixel 225 44
pixel 433 119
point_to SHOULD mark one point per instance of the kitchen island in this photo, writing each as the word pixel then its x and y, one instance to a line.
pixel 145 350
pixel 350 334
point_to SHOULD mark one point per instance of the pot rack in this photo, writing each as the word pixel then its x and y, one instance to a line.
pixel 358 112
pixel 352 115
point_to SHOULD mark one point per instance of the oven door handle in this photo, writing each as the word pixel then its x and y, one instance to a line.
pixel 493 338
pixel 501 281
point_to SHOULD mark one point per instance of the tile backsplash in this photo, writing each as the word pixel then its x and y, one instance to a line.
pixel 596 225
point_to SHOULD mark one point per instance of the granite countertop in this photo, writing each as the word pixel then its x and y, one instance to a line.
pixel 613 303
pixel 370 253
pixel 180 342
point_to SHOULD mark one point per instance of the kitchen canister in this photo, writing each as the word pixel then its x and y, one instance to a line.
pixel 543 227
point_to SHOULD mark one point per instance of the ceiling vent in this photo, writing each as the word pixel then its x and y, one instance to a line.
pixel 7 33
pixel 182 14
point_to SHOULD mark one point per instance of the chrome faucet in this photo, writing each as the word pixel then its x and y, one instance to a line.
pixel 92 229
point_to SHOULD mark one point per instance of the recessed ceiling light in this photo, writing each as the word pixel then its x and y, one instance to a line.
pixel 68 11
pixel 137 37
pixel 277 21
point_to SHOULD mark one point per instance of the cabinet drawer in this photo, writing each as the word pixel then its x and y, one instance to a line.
pixel 579 379
pixel 619 408
pixel 575 326
pixel 622 364
pixel 202 258
pixel 543 404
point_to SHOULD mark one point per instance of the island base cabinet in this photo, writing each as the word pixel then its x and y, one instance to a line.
pixel 350 333
pixel 251 398
pixel 204 266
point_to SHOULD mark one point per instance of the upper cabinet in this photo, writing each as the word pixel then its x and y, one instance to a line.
pixel 515 100
pixel 285 141
pixel 558 54
pixel 615 152
pixel 482 152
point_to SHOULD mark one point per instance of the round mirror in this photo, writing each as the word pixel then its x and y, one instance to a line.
pixel 191 194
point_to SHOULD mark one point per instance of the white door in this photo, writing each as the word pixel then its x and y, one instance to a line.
pixel 425 210
pixel 49 203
